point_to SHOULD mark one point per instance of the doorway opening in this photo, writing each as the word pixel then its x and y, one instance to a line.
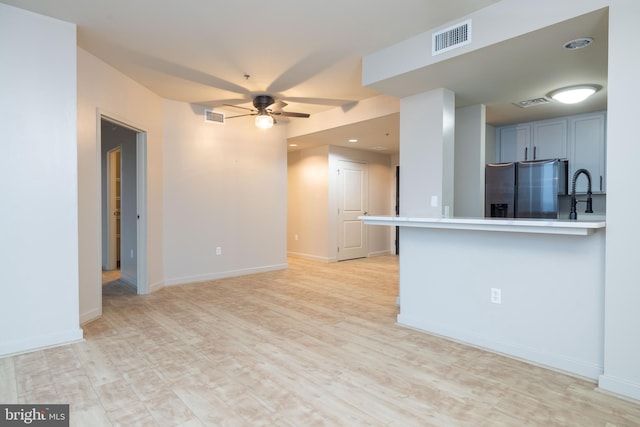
pixel 122 151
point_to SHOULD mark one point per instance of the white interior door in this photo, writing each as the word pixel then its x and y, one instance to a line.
pixel 353 179
pixel 113 209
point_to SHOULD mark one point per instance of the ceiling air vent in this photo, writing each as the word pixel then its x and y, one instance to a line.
pixel 532 102
pixel 451 38
pixel 211 116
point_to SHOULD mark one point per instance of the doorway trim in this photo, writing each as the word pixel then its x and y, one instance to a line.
pixel 141 200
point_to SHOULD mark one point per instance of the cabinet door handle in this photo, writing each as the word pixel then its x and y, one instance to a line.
pixel 526 152
pixel 535 149
pixel 601 183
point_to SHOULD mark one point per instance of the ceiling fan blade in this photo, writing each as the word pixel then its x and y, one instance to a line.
pixel 182 72
pixel 278 106
pixel 290 114
pixel 241 115
pixel 237 106
pixel 321 101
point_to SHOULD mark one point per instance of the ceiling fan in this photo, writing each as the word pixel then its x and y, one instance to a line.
pixel 265 110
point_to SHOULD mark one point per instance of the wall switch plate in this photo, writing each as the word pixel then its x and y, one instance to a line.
pixel 496 295
pixel 434 201
pixel 218 250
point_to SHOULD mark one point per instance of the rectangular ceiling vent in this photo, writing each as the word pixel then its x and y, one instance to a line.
pixel 211 116
pixel 451 38
pixel 532 102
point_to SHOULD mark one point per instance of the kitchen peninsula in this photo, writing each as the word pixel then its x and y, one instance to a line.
pixel 529 288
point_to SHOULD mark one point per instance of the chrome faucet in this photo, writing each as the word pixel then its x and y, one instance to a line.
pixel 574 202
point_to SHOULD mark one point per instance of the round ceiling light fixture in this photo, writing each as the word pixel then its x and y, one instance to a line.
pixel 578 43
pixel 264 121
pixel 574 94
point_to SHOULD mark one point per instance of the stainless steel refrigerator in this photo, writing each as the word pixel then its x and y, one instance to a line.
pixel 525 189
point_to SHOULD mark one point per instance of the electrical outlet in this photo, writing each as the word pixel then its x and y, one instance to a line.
pixel 434 201
pixel 218 250
pixel 496 295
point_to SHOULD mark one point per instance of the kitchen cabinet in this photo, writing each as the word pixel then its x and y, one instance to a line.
pixel 581 139
pixel 544 139
pixel 513 142
pixel 587 150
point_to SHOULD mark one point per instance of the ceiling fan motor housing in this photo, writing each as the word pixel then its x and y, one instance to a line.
pixel 261 102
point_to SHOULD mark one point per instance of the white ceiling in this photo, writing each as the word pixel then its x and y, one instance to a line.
pixel 308 54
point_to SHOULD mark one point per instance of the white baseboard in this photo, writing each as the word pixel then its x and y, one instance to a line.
pixel 581 368
pixel 223 274
pixel 40 342
pixel 619 386
pixel 90 315
pixel 128 279
pixel 153 287
pixel 379 253
pixel 310 257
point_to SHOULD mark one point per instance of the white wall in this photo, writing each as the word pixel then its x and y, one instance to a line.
pixel 622 298
pixel 469 161
pixel 308 202
pixel 38 241
pixel 104 90
pixel 427 153
pixel 224 186
pixel 551 311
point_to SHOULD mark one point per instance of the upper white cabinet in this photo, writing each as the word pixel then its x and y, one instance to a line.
pixel 545 139
pixel 549 139
pixel 513 142
pixel 580 139
pixel 587 145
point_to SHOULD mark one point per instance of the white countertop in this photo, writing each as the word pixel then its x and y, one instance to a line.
pixel 543 226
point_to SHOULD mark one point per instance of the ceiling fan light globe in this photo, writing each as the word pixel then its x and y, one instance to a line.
pixel 264 121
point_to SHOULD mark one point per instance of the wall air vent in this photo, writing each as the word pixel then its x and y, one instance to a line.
pixel 451 38
pixel 532 102
pixel 211 116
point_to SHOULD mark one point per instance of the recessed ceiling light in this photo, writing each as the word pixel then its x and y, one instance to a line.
pixel 353 140
pixel 578 43
pixel 293 145
pixel 574 94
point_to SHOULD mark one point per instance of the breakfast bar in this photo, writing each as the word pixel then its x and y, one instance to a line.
pixel 529 288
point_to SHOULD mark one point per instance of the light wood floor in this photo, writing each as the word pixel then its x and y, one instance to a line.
pixel 316 344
